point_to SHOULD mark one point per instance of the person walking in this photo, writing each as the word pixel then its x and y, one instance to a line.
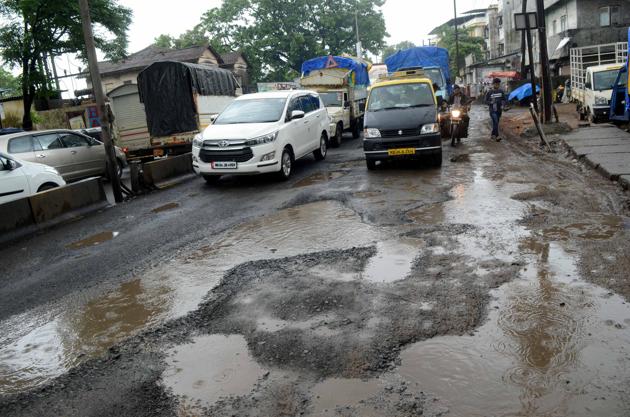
pixel 495 99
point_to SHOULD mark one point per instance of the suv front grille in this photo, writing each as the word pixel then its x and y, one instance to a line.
pixel 399 133
pixel 228 155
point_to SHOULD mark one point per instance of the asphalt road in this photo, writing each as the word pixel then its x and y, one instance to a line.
pixel 495 285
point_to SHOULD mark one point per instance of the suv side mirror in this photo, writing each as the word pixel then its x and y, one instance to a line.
pixel 297 114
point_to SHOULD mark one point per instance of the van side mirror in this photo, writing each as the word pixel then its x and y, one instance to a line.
pixel 297 114
pixel 346 104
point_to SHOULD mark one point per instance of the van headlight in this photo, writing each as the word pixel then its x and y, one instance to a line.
pixel 430 128
pixel 371 133
pixel 601 101
pixel 261 140
pixel 198 140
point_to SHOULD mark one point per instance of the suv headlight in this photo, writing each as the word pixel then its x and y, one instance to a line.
pixel 261 140
pixel 198 140
pixel 601 101
pixel 371 133
pixel 430 128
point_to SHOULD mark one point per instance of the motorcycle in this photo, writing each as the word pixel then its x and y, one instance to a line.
pixel 458 128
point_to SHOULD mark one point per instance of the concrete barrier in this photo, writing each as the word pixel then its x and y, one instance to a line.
pixel 161 170
pixel 42 210
pixel 15 214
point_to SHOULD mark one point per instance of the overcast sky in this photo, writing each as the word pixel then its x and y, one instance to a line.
pixel 406 21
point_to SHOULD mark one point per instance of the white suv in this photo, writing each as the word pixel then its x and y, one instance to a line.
pixel 262 133
pixel 20 179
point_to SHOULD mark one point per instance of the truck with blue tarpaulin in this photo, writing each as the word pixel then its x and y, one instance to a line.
pixel 620 99
pixel 432 59
pixel 342 83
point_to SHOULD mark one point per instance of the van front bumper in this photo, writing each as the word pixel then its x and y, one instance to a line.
pixel 378 148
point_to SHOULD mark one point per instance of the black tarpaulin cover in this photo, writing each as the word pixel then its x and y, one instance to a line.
pixel 166 88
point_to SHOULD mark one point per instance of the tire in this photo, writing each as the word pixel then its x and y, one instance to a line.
pixel 453 131
pixel 356 129
pixel 320 154
pixel 286 165
pixel 592 118
pixel 46 187
pixel 335 142
pixel 211 179
pixel 371 164
pixel 119 168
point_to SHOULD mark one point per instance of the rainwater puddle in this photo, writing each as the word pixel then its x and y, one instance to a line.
pixel 393 260
pixel 319 178
pixel 210 368
pixel 94 240
pixel 165 207
pixel 597 227
pixel 326 396
pixel 432 214
pixel 552 346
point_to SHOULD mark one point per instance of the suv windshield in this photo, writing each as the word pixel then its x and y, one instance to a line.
pixel 604 80
pixel 332 99
pixel 260 110
pixel 401 96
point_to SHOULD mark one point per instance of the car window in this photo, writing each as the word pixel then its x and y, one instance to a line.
pixel 261 110
pixel 21 144
pixel 4 163
pixel 314 102
pixel 294 104
pixel 307 104
pixel 70 140
pixel 49 141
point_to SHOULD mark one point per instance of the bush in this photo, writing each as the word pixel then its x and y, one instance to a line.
pixel 12 120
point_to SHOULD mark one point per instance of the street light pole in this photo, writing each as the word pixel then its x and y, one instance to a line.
pixel 103 113
pixel 544 60
pixel 456 40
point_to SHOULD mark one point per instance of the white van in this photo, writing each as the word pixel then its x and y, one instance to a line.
pixel 263 133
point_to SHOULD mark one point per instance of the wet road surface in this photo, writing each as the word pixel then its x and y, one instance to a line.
pixel 495 286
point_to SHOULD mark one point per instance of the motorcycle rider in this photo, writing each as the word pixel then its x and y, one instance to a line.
pixel 495 99
pixel 459 100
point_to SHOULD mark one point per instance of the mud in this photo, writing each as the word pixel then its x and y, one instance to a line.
pixel 166 207
pixel 94 240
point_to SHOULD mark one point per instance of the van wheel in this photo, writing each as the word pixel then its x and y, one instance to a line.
pixel 211 179
pixel 336 140
pixel 320 154
pixel 371 164
pixel 286 165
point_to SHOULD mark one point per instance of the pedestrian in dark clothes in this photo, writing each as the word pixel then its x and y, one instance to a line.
pixel 495 99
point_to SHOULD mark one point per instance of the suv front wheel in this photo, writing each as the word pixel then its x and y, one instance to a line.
pixel 286 165
pixel 320 154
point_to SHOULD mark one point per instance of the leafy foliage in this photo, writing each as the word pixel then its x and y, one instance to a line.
pixel 9 82
pixel 467 45
pixel 278 35
pixel 392 49
pixel 32 30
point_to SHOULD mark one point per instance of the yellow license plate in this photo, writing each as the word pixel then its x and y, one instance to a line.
pixel 401 151
pixel 158 152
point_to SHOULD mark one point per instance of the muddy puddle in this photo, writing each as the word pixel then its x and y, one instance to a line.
pixel 393 260
pixel 320 178
pixel 165 207
pixel 336 394
pixel 93 240
pixel 210 368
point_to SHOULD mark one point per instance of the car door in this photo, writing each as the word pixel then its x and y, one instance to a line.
pixel 296 129
pixel 13 182
pixel 22 148
pixel 310 135
pixel 320 119
pixel 85 158
pixel 50 151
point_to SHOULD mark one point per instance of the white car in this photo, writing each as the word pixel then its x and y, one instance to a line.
pixel 20 179
pixel 263 133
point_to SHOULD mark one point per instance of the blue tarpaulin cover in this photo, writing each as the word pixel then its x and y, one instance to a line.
pixel 360 69
pixel 523 91
pixel 420 56
pixel 628 74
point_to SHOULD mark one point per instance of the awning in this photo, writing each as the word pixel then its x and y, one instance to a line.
pixel 505 74
pixel 558 50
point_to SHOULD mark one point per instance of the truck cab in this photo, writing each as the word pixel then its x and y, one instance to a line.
pixel 598 90
pixel 619 100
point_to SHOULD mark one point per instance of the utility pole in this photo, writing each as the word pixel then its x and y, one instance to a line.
pixel 523 43
pixel 359 46
pixel 103 112
pixel 544 61
pixel 456 40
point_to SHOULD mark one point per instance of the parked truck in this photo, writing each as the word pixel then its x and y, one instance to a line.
pixel 433 60
pixel 180 100
pixel 593 73
pixel 342 84
pixel 620 98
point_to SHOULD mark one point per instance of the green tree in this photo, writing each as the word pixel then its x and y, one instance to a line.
pixel 9 85
pixel 467 45
pixel 390 50
pixel 277 36
pixel 33 30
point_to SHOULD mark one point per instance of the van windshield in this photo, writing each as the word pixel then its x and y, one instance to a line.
pixel 262 110
pixel 604 80
pixel 401 96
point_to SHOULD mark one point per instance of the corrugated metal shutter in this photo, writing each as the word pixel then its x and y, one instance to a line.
pixel 131 120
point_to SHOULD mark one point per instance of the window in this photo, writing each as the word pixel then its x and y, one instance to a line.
pixel 333 99
pixel 314 102
pixel 563 23
pixel 264 110
pixel 486 32
pixel 501 49
pixel 401 96
pixel 50 141
pixel 21 144
pixel 604 16
pixel 500 21
pixel 293 106
pixel 615 15
pixel 71 140
pixel 307 104
pixel 555 27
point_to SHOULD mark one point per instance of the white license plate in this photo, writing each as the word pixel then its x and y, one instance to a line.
pixel 224 165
